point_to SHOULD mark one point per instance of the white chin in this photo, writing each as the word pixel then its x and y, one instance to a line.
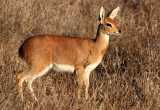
pixel 114 34
pixel 117 33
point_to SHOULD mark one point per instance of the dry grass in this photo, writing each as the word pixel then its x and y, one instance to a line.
pixel 128 77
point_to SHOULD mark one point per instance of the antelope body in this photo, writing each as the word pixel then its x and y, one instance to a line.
pixel 66 54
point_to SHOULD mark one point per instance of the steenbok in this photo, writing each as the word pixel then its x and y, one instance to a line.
pixel 66 54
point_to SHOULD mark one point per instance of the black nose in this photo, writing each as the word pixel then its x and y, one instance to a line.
pixel 119 31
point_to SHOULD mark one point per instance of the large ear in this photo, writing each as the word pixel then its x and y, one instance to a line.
pixel 102 15
pixel 113 14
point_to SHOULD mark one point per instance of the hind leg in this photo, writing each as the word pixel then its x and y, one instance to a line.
pixel 37 73
pixel 20 78
pixel 29 84
pixel 38 63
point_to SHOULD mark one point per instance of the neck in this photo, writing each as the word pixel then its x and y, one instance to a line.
pixel 102 40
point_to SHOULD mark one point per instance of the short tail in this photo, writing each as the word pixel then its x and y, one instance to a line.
pixel 20 51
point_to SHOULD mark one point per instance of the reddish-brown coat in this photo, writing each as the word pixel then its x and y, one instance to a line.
pixel 67 53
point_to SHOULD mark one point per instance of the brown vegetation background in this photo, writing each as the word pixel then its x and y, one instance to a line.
pixel 128 77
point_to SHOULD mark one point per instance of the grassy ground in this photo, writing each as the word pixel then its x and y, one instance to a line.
pixel 128 77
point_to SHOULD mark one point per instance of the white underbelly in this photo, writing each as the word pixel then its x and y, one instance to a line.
pixel 63 68
pixel 69 68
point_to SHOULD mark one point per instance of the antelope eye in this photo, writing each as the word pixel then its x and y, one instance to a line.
pixel 109 25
